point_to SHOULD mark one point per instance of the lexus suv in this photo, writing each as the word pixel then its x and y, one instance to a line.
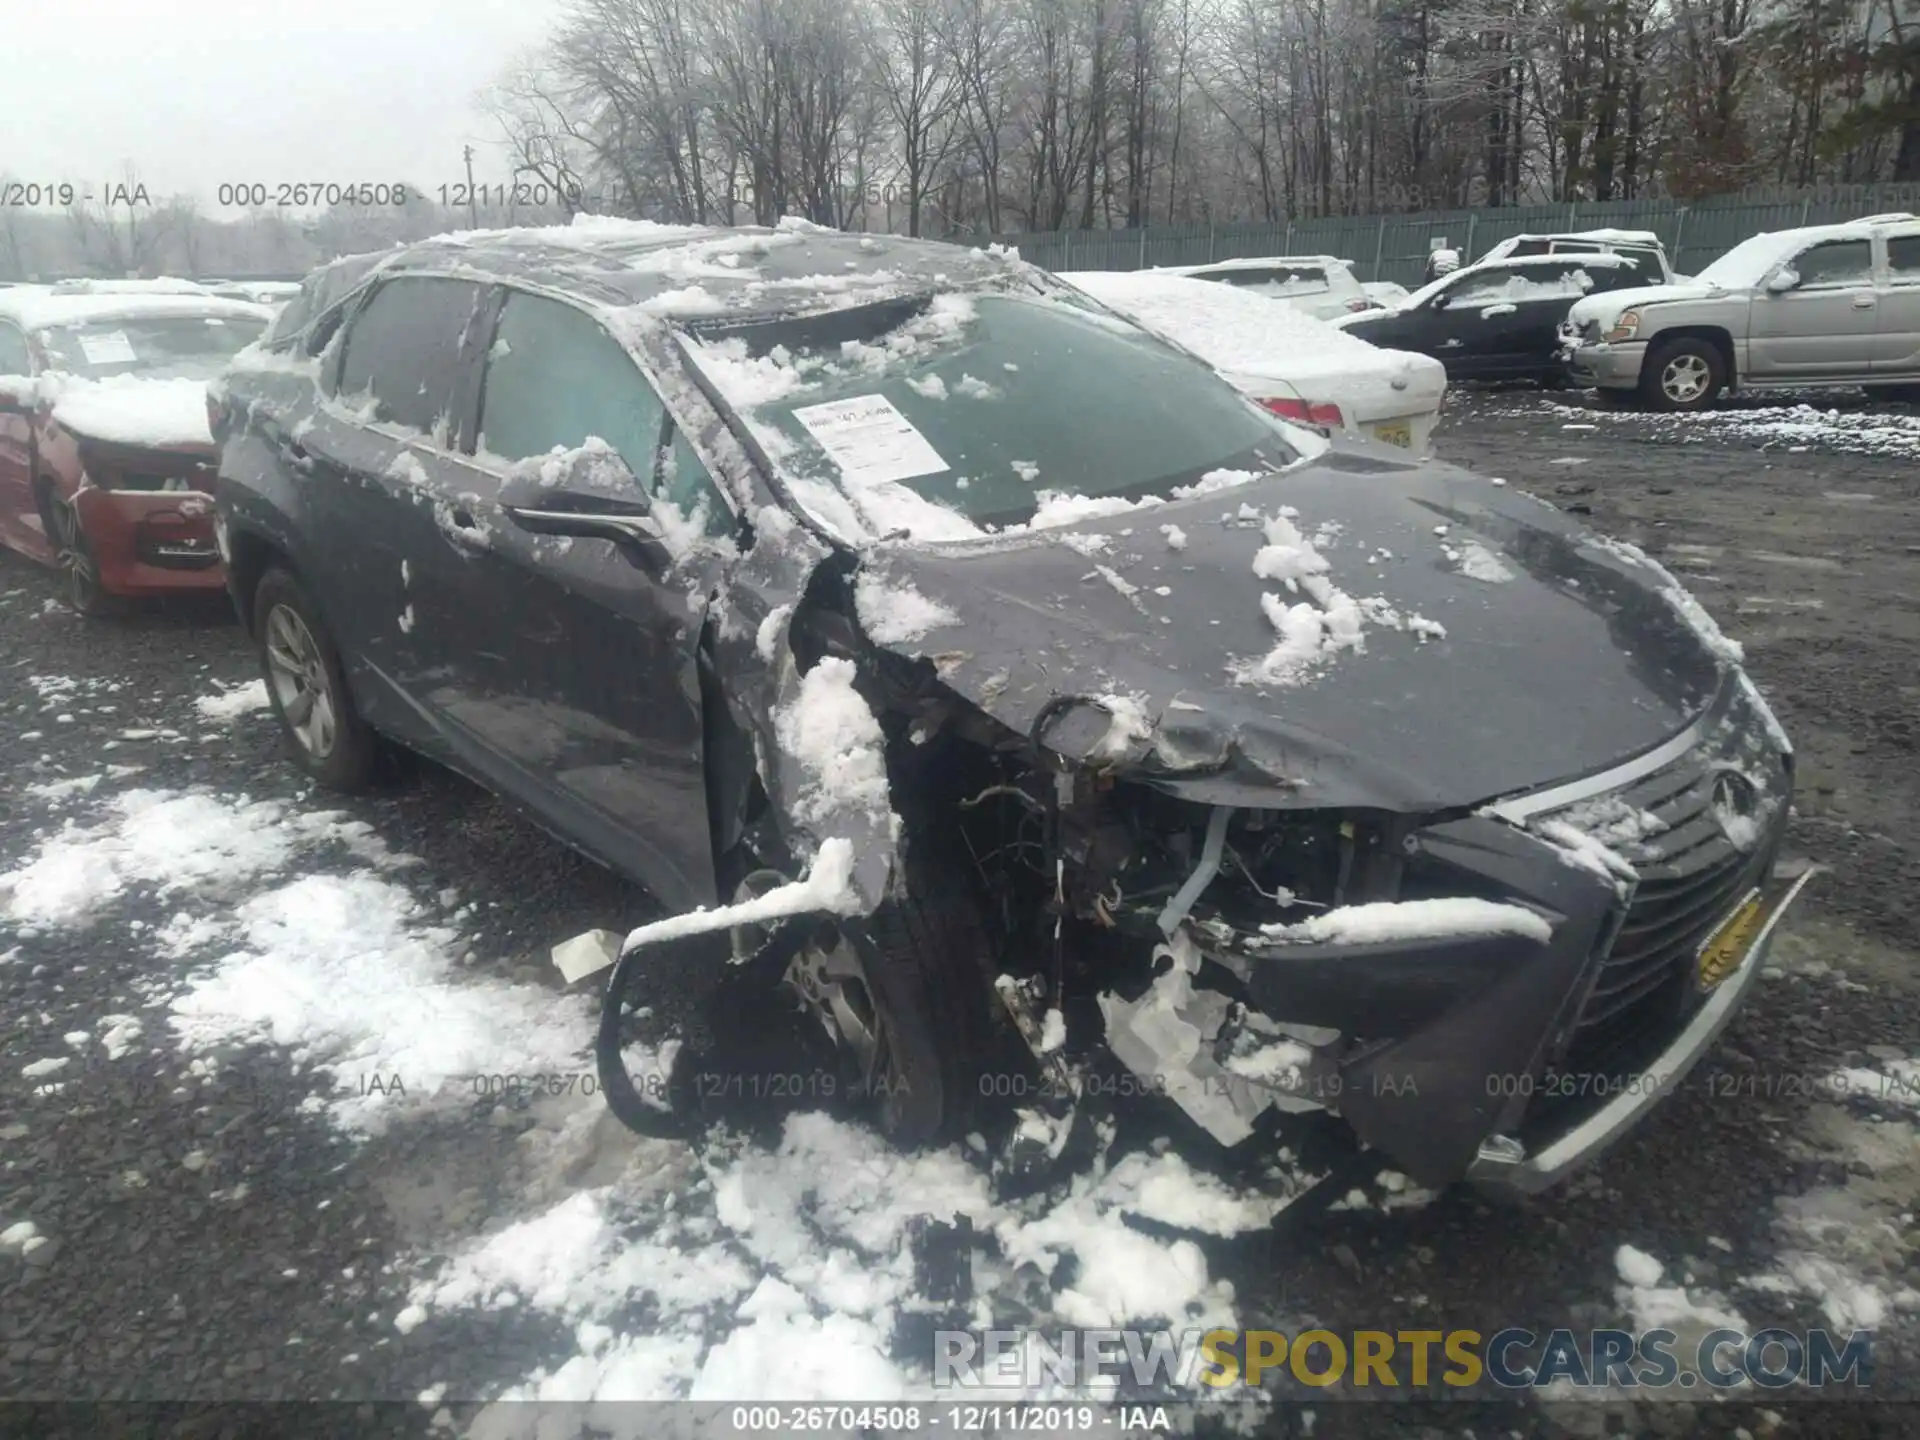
pixel 1827 305
pixel 992 681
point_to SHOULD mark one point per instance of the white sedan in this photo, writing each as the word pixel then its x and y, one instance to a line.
pixel 1300 368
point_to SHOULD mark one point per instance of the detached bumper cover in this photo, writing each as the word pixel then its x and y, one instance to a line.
pixel 1503 1162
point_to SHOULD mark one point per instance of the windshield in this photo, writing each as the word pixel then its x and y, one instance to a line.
pixel 948 415
pixel 162 347
pixel 1747 264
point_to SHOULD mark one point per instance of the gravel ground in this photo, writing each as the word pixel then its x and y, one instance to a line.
pixel 210 1238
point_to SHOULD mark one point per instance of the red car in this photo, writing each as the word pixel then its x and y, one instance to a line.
pixel 106 463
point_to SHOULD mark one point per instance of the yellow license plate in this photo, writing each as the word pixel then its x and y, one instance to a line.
pixel 1728 945
pixel 1397 432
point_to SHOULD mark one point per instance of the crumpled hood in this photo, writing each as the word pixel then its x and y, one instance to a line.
pixel 1605 306
pixel 1561 654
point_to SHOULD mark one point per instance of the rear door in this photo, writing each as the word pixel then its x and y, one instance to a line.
pixel 382 462
pixel 1826 324
pixel 19 520
pixel 566 667
pixel 1897 332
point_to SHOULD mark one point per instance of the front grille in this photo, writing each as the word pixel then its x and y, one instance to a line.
pixel 1691 876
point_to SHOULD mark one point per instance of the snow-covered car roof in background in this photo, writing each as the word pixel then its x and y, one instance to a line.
pixel 1254 262
pixel 1599 237
pixel 43 309
pixel 159 285
pixel 1246 334
pixel 700 271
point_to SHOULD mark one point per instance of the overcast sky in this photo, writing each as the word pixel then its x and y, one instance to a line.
pixel 197 92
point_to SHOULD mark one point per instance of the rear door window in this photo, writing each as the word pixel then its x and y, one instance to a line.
pixel 1835 263
pixel 1903 259
pixel 404 351
pixel 556 378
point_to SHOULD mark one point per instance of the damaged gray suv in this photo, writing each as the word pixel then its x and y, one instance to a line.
pixel 983 680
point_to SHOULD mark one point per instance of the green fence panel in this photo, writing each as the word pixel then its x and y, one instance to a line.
pixel 1395 247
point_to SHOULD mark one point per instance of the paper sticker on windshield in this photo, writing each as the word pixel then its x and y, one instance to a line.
pixel 112 348
pixel 870 440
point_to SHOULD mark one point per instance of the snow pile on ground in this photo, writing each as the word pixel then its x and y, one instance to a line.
pixel 893 612
pixel 342 971
pixel 1852 430
pixel 753 1273
pixel 170 843
pixel 132 409
pixel 1655 1305
pixel 233 701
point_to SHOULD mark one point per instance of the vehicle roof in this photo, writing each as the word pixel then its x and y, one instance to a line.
pixel 703 271
pixel 1602 258
pixel 1845 229
pixel 1604 236
pixel 40 309
pixel 1249 262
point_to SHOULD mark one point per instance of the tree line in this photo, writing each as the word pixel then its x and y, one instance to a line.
pixel 958 117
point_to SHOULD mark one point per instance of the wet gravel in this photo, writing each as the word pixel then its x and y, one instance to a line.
pixel 164 1281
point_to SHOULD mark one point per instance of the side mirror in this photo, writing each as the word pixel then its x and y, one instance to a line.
pixel 586 493
pixel 1783 281
pixel 1440 301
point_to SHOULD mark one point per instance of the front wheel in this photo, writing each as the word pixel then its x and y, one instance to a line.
pixel 73 555
pixel 307 686
pixel 1684 374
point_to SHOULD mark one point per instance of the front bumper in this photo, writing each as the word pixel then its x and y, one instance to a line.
pixel 151 542
pixel 1503 1162
pixel 1509 1058
pixel 1610 367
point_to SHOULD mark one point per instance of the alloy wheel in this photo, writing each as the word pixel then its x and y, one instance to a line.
pixel 1685 379
pixel 828 977
pixel 301 685
pixel 77 569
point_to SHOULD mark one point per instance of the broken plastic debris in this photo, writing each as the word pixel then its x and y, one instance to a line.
pixel 586 954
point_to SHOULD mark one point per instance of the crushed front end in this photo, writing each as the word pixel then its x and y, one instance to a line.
pixel 1495 994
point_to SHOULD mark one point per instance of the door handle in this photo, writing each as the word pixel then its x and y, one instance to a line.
pixel 1863 302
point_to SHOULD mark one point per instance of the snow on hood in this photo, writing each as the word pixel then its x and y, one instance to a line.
pixel 1248 335
pixel 1604 306
pixel 131 409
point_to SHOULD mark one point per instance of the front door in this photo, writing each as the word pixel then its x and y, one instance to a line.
pixel 1897 339
pixel 1823 326
pixel 567 665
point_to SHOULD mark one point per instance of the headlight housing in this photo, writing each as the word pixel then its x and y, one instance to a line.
pixel 1625 326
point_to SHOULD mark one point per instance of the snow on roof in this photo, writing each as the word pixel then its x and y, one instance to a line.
pixel 1250 262
pixel 586 232
pixel 43 309
pixel 159 285
pixel 1236 331
pixel 1602 236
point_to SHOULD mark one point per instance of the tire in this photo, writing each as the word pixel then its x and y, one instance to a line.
pixel 928 963
pixel 73 557
pixel 1686 374
pixel 307 686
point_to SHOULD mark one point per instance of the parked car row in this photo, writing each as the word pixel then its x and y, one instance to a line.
pixel 950 653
